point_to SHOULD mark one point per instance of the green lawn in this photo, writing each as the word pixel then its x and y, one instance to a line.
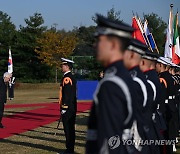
pixel 43 139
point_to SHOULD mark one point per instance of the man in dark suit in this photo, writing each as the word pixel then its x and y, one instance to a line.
pixel 3 94
pixel 11 88
pixel 68 104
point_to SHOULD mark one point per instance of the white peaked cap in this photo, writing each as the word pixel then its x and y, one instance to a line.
pixel 64 60
pixel 162 60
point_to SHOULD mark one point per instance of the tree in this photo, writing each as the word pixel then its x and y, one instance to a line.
pixel 84 50
pixel 158 28
pixel 86 41
pixel 29 66
pixel 86 67
pixel 54 45
pixel 7 38
pixel 111 14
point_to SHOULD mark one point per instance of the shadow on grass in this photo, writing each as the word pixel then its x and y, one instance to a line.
pixel 55 133
pixel 40 146
pixel 38 137
pixel 53 98
pixel 43 132
pixel 77 131
pixel 36 146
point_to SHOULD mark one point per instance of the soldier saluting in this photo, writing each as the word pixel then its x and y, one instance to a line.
pixel 68 104
pixel 111 116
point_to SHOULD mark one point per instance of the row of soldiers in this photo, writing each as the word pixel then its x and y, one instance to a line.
pixel 138 98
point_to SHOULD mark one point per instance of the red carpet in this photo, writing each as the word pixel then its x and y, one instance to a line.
pixel 31 119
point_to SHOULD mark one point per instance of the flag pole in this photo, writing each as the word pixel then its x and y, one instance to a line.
pixel 155 43
pixel 168 51
pixel 153 39
pixel 133 13
pixel 148 39
pixel 171 28
pixel 145 35
pixel 171 10
pixel 140 26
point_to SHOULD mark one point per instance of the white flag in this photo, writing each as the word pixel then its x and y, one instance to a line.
pixel 10 63
pixel 169 38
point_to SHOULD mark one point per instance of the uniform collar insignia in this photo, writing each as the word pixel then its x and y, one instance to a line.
pixel 111 71
pixel 133 73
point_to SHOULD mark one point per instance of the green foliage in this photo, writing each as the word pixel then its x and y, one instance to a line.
pixel 7 30
pixel 7 38
pixel 54 45
pixel 84 54
pixel 111 14
pixel 26 63
pixel 158 28
pixel 86 41
pixel 86 67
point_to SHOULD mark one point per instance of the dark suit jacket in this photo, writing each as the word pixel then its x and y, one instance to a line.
pixel 3 91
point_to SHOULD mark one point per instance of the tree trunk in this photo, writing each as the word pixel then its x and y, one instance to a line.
pixel 56 75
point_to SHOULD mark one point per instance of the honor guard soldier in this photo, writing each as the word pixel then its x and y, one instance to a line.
pixel 176 101
pixel 68 104
pixel 168 89
pixel 153 78
pixel 177 74
pixel 111 115
pixel 144 96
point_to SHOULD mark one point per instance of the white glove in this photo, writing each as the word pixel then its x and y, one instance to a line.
pixel 63 111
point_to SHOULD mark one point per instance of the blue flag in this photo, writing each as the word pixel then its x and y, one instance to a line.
pixel 149 36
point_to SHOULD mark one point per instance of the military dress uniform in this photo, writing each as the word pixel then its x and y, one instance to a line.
pixel 68 107
pixel 170 106
pixel 111 116
pixel 153 78
pixel 112 112
pixel 177 96
pixel 144 98
pixel 176 100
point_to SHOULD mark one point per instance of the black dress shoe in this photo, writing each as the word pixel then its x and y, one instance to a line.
pixel 1 126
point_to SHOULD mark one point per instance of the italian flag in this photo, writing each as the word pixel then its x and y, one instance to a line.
pixel 176 48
